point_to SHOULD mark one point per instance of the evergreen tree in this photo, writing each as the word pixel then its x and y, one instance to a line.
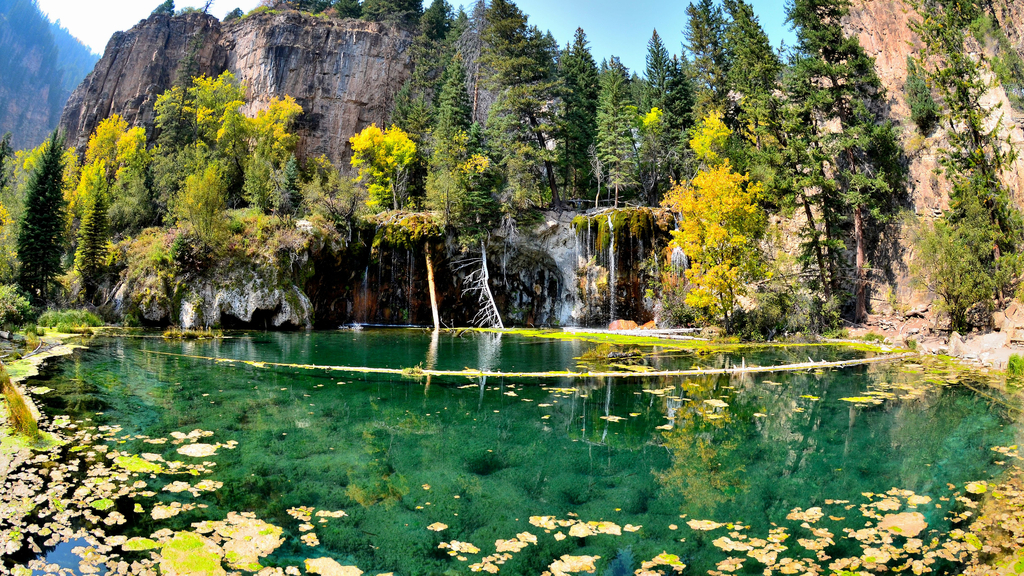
pixel 437 20
pixel 615 121
pixel 453 112
pixel 852 158
pixel 166 8
pixel 348 8
pixel 679 119
pixel 41 236
pixel 924 110
pixel 755 69
pixel 91 255
pixel 520 62
pixel 6 155
pixel 979 151
pixel 579 115
pixel 659 73
pixel 709 68
pixel 407 11
pixel 234 15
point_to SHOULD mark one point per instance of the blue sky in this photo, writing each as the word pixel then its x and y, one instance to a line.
pixel 614 27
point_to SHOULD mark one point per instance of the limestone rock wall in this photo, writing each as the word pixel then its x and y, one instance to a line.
pixel 344 73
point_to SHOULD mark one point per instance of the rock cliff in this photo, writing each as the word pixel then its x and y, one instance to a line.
pixel 38 61
pixel 344 73
pixel 883 27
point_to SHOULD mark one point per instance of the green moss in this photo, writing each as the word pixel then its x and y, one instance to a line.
pixel 103 504
pixel 188 553
pixel 137 464
pixel 1015 367
pixel 626 224
pixel 409 232
pixel 139 544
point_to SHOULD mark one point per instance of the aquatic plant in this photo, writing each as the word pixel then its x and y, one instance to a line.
pixel 69 321
pixel 1015 366
pixel 17 409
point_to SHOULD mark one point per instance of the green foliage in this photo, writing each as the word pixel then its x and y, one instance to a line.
pixel 69 318
pixel 201 203
pixel 234 15
pixel 166 8
pixel 578 123
pixel 519 62
pixel 402 11
pixel 615 121
pixel 14 307
pixel 1015 366
pixel 436 21
pixel 924 110
pixel 348 8
pixel 41 235
pixel 954 261
pixel 409 232
pixel 91 256
pixel 705 34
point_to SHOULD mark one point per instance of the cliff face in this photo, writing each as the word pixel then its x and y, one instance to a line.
pixel 344 73
pixel 37 61
pixel 883 27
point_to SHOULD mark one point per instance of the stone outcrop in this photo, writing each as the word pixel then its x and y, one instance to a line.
pixel 344 73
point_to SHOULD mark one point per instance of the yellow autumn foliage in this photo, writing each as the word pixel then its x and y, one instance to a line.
pixel 720 226
pixel 382 157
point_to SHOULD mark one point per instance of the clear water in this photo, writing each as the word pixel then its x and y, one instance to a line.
pixel 495 453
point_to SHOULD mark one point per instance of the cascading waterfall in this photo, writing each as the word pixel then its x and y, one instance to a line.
pixel 611 269
pixel 679 258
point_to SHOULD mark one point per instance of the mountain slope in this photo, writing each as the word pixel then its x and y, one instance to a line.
pixel 40 64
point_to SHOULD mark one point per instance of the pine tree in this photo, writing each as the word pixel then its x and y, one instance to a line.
pixel 392 10
pixel 852 158
pixel 979 150
pixel 924 110
pixel 659 73
pixel 234 15
pixel 615 120
pixel 91 255
pixel 709 68
pixel 41 236
pixel 579 115
pixel 166 8
pixel 437 20
pixel 755 69
pixel 520 62
pixel 6 155
pixel 348 8
pixel 453 111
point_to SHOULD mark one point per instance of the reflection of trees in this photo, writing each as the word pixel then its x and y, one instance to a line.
pixel 702 472
pixel 705 471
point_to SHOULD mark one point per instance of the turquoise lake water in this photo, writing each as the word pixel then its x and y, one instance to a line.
pixel 401 454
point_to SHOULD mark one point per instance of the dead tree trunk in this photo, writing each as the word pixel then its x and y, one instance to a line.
pixel 433 289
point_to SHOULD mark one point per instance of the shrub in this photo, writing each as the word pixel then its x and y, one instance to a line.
pixel 14 308
pixel 872 337
pixel 69 321
pixel 1015 367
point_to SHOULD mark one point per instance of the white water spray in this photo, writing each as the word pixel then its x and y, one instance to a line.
pixel 611 269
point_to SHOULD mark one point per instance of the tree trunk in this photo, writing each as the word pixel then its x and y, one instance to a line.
pixel 556 200
pixel 433 289
pixel 616 196
pixel 817 247
pixel 862 286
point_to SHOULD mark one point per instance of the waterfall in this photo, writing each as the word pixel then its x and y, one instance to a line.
pixel 611 269
pixel 679 258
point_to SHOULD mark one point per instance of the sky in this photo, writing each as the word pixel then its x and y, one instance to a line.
pixel 614 27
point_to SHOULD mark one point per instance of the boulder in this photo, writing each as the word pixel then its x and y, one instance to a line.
pixel 622 325
pixel 956 345
pixel 998 321
pixel 652 325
